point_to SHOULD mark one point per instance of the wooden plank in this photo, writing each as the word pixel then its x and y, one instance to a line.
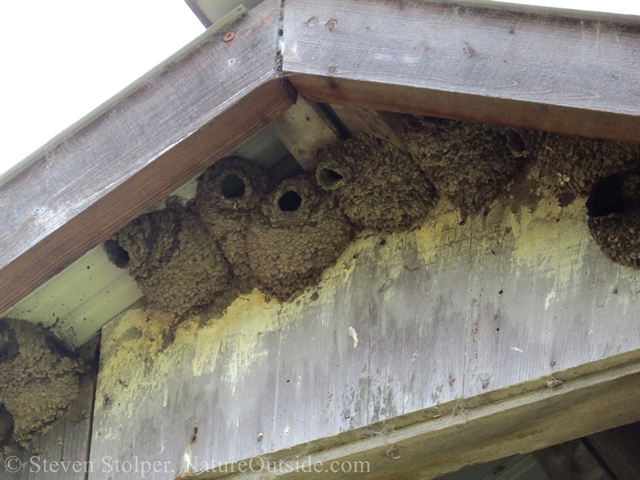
pixel 558 74
pixel 570 459
pixel 382 125
pixel 435 338
pixel 461 435
pixel 303 129
pixel 619 448
pixel 138 151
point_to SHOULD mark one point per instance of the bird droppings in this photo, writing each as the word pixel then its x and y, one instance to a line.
pixel 614 217
pixel 572 164
pixel 469 163
pixel 172 259
pixel 39 378
pixel 228 192
pixel 378 185
pixel 296 235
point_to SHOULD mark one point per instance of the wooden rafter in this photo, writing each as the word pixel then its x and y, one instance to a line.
pixel 144 147
pixel 557 74
pixel 564 75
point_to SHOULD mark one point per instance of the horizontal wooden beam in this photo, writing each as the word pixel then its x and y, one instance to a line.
pixel 218 92
pixel 447 438
pixel 550 73
pixel 444 346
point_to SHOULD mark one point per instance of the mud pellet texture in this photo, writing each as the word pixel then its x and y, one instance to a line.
pixel 227 194
pixel 299 232
pixel 469 163
pixel 614 217
pixel 172 258
pixel 378 185
pixel 38 379
pixel 572 164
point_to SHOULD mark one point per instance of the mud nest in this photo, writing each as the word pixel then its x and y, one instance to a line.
pixel 298 233
pixel 172 259
pixel 39 378
pixel 378 185
pixel 572 164
pixel 469 163
pixel 614 217
pixel 227 194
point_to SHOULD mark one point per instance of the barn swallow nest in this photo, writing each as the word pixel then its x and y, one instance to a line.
pixel 572 164
pixel 378 185
pixel 614 217
pixel 228 193
pixel 298 233
pixel 469 163
pixel 172 259
pixel 39 379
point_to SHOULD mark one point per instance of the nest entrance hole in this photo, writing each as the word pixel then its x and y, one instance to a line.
pixel 116 254
pixel 606 197
pixel 329 178
pixel 290 201
pixel 232 186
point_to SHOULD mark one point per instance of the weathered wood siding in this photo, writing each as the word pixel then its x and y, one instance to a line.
pixel 442 314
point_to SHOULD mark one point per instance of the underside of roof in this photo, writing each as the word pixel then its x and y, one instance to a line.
pixel 501 67
pixel 330 191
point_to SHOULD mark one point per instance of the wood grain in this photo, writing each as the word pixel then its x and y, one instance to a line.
pixel 550 73
pixel 619 448
pixel 147 145
pixel 383 125
pixel 502 313
pixel 303 129
pixel 570 459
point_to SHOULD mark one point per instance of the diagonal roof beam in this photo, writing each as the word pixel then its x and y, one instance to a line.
pixel 543 72
pixel 550 73
pixel 146 144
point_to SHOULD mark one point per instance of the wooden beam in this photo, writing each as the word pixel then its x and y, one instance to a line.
pixel 383 125
pixel 303 129
pixel 550 73
pixel 146 144
pixel 465 433
pixel 444 346
pixel 570 459
pixel 619 448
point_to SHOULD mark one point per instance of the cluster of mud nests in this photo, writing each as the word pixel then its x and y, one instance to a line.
pixel 240 232
pixel 39 378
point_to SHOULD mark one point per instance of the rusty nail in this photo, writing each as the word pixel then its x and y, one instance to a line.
pixel 347 414
pixel 452 381
pixel 376 408
pixel 332 69
pixel 260 436
pixel 553 363
pixel 229 36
